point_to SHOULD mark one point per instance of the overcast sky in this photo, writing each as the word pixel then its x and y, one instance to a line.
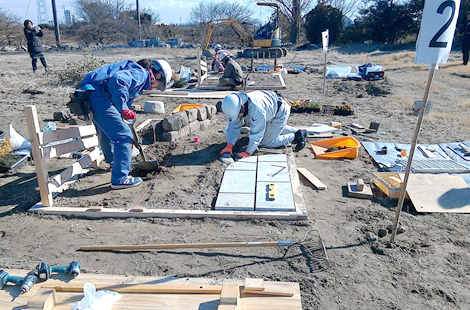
pixel 170 11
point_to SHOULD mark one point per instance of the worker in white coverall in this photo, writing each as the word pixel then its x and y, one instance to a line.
pixel 267 113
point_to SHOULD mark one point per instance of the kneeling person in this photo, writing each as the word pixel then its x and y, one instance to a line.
pixel 233 74
pixel 267 114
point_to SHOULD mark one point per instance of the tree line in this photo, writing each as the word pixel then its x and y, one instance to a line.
pixel 349 21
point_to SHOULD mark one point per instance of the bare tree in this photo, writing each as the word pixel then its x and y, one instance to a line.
pixel 106 21
pixel 294 10
pixel 10 28
pixel 348 7
pixel 207 11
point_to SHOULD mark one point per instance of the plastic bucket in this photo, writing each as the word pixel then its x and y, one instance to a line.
pixel 417 107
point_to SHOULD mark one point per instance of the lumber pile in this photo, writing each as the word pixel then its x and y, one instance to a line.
pixel 143 292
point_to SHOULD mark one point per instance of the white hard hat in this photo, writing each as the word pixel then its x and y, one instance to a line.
pixel 223 55
pixel 217 47
pixel 164 68
pixel 232 104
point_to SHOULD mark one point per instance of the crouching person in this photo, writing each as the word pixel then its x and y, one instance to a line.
pixel 266 113
pixel 113 89
pixel 233 74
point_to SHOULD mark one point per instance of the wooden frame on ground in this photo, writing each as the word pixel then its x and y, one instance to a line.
pixel 202 77
pixel 45 206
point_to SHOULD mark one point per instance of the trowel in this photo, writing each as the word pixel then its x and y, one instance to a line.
pixel 144 165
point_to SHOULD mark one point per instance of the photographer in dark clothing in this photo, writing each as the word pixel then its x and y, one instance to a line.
pixel 35 48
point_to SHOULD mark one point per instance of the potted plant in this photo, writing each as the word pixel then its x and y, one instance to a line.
pixel 344 109
pixel 314 106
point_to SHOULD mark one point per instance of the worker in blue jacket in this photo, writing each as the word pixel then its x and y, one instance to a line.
pixel 266 113
pixel 113 89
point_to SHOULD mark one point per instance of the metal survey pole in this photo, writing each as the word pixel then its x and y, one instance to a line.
pixel 324 76
pixel 325 41
pixel 412 152
pixel 56 23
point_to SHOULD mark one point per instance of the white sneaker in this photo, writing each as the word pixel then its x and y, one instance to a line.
pixel 128 182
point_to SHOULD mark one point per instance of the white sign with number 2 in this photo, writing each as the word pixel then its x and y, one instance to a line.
pixel 437 31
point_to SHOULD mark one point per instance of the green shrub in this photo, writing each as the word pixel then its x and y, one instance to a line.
pixel 76 69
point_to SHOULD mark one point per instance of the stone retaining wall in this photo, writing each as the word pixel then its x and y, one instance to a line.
pixel 181 124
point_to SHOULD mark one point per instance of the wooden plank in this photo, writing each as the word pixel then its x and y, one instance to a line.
pixel 140 288
pixel 252 284
pixel 312 179
pixel 194 94
pixel 77 168
pixel 151 301
pixel 230 294
pixel 281 79
pixel 273 289
pixel 69 133
pixel 394 181
pixel 44 300
pixel 247 88
pixel 296 189
pixel 227 307
pixel 165 213
pixel 38 156
pixel 70 147
pixel 145 123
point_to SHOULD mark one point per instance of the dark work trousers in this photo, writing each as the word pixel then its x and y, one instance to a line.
pixel 465 48
pixel 34 60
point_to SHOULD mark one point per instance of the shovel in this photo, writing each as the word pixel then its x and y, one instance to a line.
pixel 144 165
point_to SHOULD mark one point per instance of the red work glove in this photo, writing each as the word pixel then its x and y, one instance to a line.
pixel 128 114
pixel 242 155
pixel 227 149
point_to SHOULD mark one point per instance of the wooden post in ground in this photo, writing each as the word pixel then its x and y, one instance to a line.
pixel 38 155
pixel 412 152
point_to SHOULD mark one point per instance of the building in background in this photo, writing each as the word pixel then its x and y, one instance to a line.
pixel 70 17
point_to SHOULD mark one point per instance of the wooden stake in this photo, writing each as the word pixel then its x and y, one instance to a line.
pixel 412 152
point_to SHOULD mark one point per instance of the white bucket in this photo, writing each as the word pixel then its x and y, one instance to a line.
pixel 417 107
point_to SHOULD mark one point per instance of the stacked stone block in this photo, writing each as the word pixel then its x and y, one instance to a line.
pixel 181 124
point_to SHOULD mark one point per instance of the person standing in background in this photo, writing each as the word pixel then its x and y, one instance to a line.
pixel 466 40
pixel 35 48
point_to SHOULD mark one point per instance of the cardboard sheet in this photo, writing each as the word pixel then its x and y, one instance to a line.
pixel 439 193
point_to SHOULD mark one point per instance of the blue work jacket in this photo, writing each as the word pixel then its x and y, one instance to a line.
pixel 123 81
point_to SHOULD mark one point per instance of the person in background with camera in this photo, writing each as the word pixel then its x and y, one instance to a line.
pixel 113 89
pixel 35 48
pixel 233 74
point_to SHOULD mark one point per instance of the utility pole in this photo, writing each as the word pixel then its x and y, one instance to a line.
pixel 56 24
pixel 138 19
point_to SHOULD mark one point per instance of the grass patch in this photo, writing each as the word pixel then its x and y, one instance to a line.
pixel 76 69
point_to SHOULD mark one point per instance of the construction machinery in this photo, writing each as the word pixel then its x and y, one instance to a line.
pixel 266 42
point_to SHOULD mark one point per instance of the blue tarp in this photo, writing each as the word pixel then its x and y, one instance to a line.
pixel 387 162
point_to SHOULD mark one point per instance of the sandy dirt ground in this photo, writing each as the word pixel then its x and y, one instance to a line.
pixel 427 267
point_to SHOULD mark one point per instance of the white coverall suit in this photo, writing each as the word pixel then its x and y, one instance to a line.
pixel 267 120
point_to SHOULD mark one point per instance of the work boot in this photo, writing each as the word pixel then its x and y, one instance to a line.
pixel 128 182
pixel 300 139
